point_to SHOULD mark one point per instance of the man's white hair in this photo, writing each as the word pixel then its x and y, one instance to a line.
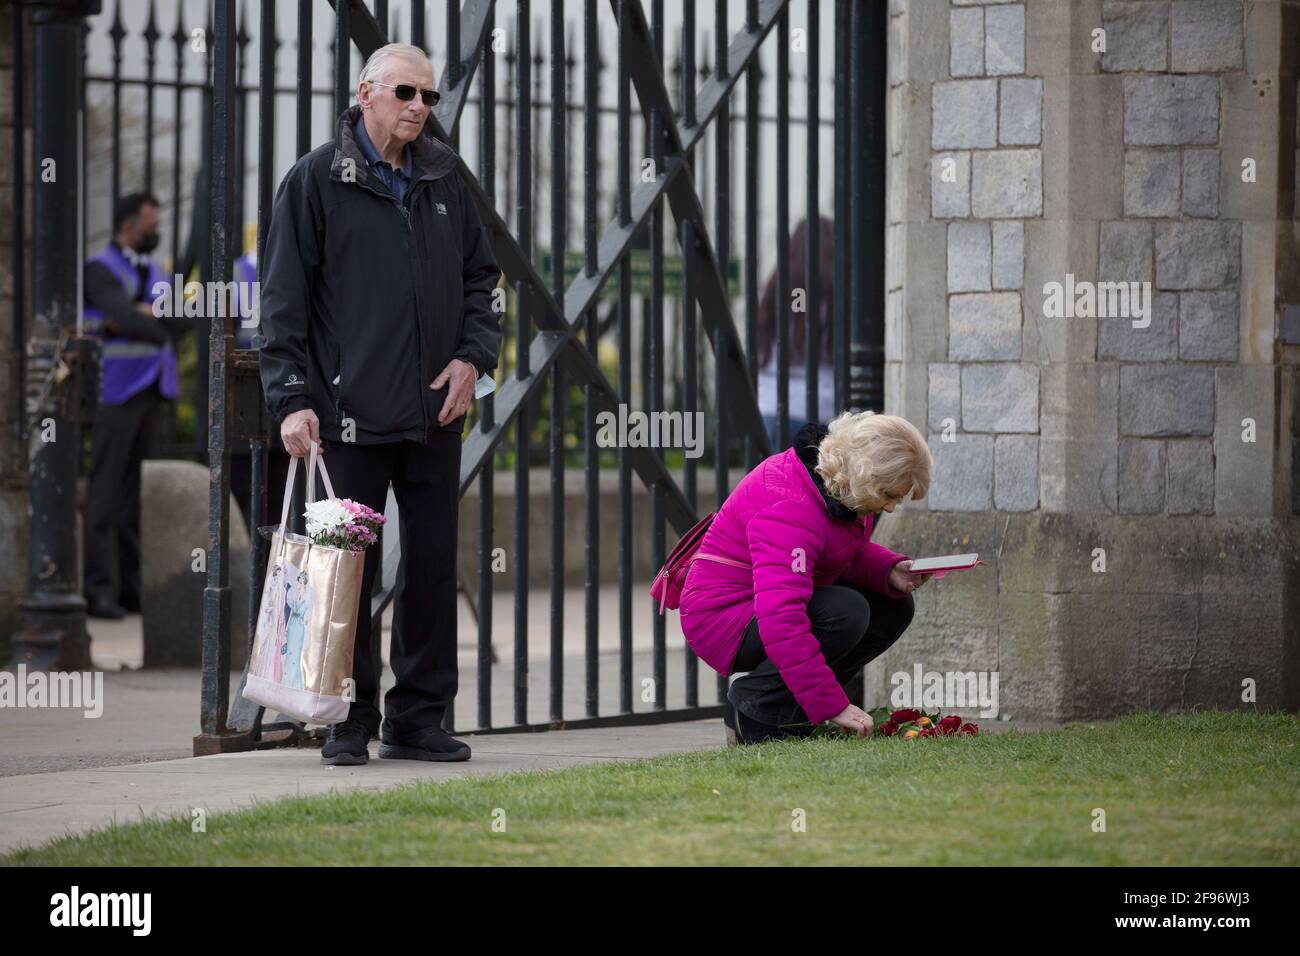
pixel 378 61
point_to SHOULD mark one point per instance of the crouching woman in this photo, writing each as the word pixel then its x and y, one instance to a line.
pixel 787 585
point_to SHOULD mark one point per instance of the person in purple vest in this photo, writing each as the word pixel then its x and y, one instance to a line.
pixel 139 373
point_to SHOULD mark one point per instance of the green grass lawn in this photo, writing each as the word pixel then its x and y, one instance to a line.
pixel 1197 789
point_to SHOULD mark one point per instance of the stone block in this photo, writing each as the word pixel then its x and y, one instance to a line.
pixel 1159 400
pixel 1079 401
pixel 1008 255
pixel 1209 329
pixel 1004 40
pixel 1118 339
pixel 999 397
pixel 1151 182
pixel 1126 252
pixel 962 479
pixel 1141 488
pixel 1077 476
pixel 964 114
pixel 1244 470
pixel 1201 183
pixel 950 185
pixel 944 395
pixel 1020 113
pixel 984 326
pixel 1171 110
pixel 1206 36
pixel 1137 36
pixel 1007 184
pixel 1198 255
pixel 966 41
pixel 1015 472
pixel 1190 476
pixel 970 257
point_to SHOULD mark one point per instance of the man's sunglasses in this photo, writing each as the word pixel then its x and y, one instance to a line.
pixel 406 93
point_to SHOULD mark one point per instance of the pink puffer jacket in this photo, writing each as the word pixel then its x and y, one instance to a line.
pixel 776 510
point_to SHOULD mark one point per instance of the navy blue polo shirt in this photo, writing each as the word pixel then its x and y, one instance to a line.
pixel 397 180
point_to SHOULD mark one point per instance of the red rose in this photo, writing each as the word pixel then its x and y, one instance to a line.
pixel 929 732
pixel 972 729
pixel 888 728
pixel 949 724
pixel 903 716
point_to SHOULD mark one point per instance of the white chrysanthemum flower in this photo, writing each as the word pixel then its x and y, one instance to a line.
pixel 325 515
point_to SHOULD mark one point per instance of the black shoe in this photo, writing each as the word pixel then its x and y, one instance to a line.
pixel 750 731
pixel 346 745
pixel 432 744
pixel 99 606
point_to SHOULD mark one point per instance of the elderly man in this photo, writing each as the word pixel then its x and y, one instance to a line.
pixel 377 308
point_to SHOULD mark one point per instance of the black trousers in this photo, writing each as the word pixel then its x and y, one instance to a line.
pixel 426 483
pixel 853 624
pixel 122 437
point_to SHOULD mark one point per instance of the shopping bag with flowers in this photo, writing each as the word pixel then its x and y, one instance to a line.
pixel 301 664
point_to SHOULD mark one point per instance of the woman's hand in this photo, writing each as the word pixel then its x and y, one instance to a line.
pixel 902 579
pixel 855 721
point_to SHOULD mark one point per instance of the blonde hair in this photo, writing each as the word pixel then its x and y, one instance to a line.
pixel 868 459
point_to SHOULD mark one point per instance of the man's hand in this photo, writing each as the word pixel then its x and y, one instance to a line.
pixel 855 721
pixel 298 431
pixel 461 376
pixel 902 579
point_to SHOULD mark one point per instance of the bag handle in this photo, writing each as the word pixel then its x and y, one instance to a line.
pixel 313 463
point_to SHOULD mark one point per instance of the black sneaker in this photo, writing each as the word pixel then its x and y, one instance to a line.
pixel 346 745
pixel 432 744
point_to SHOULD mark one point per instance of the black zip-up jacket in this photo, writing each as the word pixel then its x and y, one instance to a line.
pixel 364 300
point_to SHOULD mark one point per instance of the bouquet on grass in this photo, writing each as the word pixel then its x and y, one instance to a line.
pixel 908 724
pixel 911 723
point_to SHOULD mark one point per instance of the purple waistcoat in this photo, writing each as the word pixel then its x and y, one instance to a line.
pixel 131 365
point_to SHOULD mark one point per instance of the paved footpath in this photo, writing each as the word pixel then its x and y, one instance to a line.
pixel 36 807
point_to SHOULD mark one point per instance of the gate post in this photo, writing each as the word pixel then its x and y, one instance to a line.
pixel 867 83
pixel 51 633
pixel 215 735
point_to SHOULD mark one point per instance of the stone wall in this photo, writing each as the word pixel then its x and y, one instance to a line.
pixel 1022 154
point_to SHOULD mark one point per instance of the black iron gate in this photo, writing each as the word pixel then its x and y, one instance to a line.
pixel 678 152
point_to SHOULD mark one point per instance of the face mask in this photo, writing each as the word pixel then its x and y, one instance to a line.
pixel 148 242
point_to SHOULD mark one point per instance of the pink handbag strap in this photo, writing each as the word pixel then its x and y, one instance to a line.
pixel 721 560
